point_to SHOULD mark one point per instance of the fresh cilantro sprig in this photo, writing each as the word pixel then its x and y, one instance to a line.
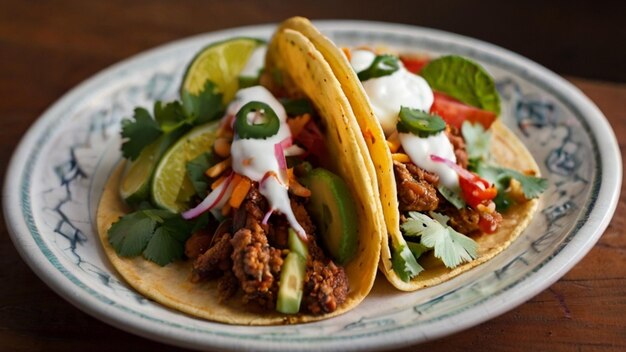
pixel 404 263
pixel 501 177
pixel 477 146
pixel 158 235
pixel 193 110
pixel 452 247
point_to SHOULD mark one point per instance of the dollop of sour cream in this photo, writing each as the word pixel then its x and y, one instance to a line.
pixel 256 158
pixel 387 95
pixel 255 63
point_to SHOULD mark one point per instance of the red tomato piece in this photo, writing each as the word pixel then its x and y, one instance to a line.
pixel 455 112
pixel 414 63
pixel 477 190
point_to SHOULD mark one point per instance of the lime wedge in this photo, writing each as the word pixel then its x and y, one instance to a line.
pixel 171 172
pixel 135 185
pixel 220 63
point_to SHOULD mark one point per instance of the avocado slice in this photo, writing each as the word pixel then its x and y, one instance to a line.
pixel 291 284
pixel 332 208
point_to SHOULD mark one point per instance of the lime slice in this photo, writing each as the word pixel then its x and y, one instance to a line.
pixel 171 172
pixel 220 63
pixel 134 187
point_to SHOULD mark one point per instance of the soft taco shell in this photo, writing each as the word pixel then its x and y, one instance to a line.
pixel 171 286
pixel 507 150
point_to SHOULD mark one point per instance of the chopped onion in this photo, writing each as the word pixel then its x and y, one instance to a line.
pixel 459 170
pixel 280 156
pixel 212 200
pixel 267 216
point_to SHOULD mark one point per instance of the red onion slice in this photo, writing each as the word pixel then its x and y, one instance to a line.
pixel 212 200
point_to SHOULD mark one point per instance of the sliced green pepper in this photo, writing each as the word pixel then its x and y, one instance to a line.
pixel 263 130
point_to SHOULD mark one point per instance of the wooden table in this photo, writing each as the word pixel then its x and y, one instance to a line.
pixel 46 49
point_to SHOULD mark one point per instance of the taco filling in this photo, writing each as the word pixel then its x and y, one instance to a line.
pixel 449 190
pixel 260 201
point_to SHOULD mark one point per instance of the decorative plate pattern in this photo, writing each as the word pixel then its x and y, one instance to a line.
pixel 57 174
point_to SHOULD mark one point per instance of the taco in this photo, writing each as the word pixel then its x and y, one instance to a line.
pixel 251 218
pixel 456 186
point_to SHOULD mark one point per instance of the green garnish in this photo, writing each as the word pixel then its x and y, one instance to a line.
pixel 464 80
pixel 452 247
pixel 404 263
pixel 455 198
pixel 174 116
pixel 158 235
pixel 419 122
pixel 296 107
pixel 267 128
pixel 477 141
pixel 196 169
pixel 204 107
pixel 417 249
pixel 383 65
pixel 532 186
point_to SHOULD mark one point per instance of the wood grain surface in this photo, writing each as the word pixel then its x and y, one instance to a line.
pixel 46 48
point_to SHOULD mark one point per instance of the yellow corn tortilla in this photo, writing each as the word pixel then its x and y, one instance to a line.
pixel 505 147
pixel 304 66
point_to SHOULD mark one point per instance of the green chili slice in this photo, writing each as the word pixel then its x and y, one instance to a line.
pixel 383 65
pixel 267 128
pixel 419 122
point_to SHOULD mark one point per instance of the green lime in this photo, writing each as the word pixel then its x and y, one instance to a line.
pixel 134 187
pixel 171 172
pixel 220 63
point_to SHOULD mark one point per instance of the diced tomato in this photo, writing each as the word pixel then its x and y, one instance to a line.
pixel 476 190
pixel 414 63
pixel 455 112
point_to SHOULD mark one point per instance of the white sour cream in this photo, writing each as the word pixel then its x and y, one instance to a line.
pixel 420 149
pixel 387 95
pixel 254 158
pixel 255 63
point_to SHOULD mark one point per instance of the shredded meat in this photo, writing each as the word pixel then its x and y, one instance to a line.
pixel 227 286
pixel 252 210
pixel 325 286
pixel 458 143
pixel 416 187
pixel 215 260
pixel 198 243
pixel 468 220
pixel 256 265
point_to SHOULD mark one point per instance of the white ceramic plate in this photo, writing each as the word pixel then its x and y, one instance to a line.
pixel 57 174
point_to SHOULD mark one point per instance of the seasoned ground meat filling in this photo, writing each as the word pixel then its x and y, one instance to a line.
pixel 256 265
pixel 252 258
pixel 325 286
pixel 416 188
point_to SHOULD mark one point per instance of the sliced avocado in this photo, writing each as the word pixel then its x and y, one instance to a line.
pixel 332 207
pixel 297 245
pixel 291 283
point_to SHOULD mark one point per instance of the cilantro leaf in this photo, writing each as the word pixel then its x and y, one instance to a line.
pixel 196 172
pixel 404 263
pixel 417 249
pixel 477 141
pixel 164 247
pixel 205 106
pixel 452 247
pixel 455 198
pixel 138 133
pixel 464 80
pixel 532 186
pixel 170 116
pixel 157 234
